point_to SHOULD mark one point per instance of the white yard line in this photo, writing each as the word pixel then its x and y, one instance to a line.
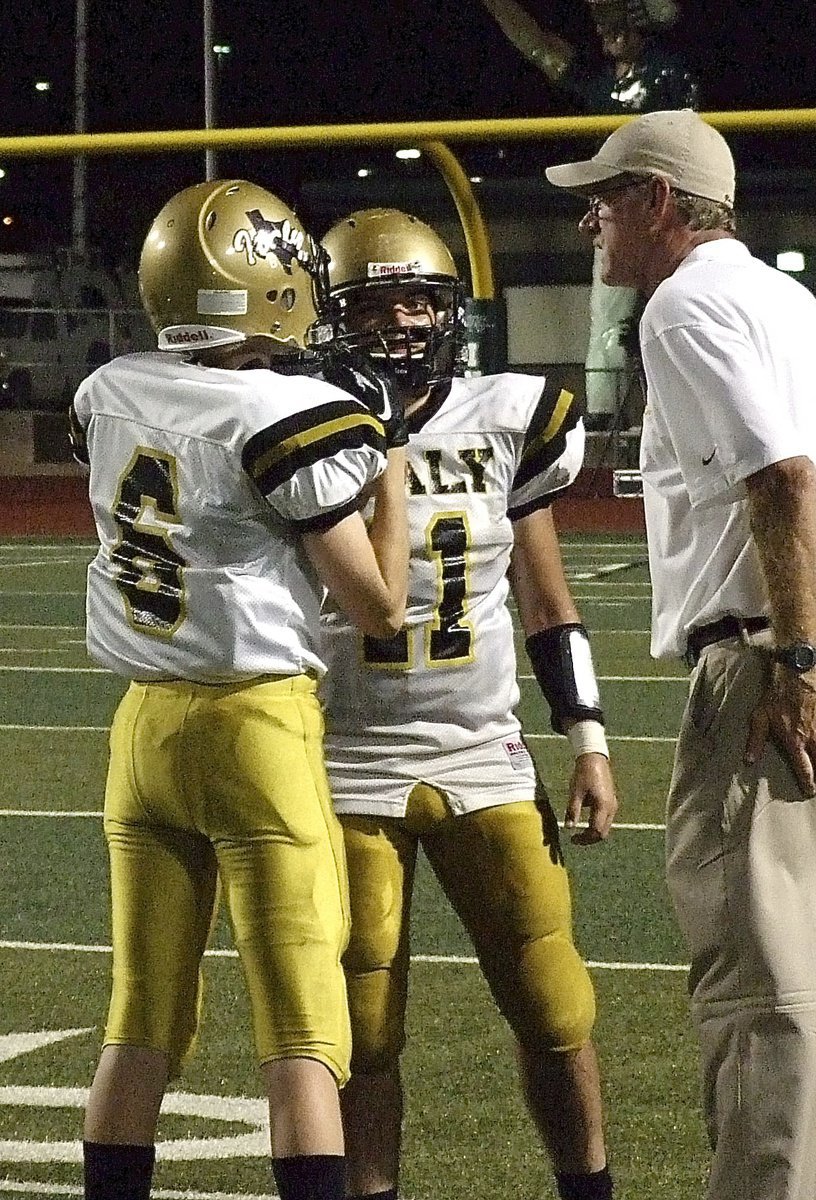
pixel 68 628
pixel 63 728
pixel 550 737
pixel 34 670
pixel 610 737
pixel 37 650
pixel 37 1188
pixel 620 678
pixel 601 572
pixel 39 562
pixel 442 959
pixel 57 547
pixel 47 812
pixel 631 826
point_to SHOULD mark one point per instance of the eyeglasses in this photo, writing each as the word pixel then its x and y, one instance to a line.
pixel 595 203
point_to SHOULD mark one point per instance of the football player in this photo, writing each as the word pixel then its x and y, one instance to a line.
pixel 225 483
pixel 423 746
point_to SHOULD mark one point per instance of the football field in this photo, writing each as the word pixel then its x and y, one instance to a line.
pixel 466 1136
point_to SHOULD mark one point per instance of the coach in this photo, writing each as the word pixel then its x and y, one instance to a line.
pixel 728 453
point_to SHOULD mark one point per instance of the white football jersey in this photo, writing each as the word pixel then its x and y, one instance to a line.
pixel 202 481
pixel 497 448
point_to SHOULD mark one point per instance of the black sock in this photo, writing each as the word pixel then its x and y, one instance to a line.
pixel 391 1194
pixel 595 1186
pixel 310 1176
pixel 114 1172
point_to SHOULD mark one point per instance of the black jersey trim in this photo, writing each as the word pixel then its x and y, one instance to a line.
pixel 328 519
pixel 275 454
pixel 546 438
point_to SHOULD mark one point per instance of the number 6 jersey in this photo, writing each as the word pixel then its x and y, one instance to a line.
pixel 494 450
pixel 202 481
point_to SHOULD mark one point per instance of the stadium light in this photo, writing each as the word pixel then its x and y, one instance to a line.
pixel 410 152
pixel 363 173
pixel 792 261
pixel 476 178
pixel 42 85
pixel 222 48
pixel 2 172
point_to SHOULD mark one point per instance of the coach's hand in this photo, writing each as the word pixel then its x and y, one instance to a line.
pixel 786 715
pixel 591 787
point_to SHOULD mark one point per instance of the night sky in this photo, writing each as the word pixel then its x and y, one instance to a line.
pixel 314 62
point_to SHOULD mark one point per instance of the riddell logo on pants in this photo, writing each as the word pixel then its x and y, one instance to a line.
pixel 517 753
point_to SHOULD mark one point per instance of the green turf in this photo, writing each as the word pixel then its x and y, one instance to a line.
pixel 466 1132
pixel 466 1136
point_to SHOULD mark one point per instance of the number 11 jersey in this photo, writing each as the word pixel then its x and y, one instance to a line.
pixel 494 450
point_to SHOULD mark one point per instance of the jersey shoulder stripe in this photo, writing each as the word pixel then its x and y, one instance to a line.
pixel 276 453
pixel 556 413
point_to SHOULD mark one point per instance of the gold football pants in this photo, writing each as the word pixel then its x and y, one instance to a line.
pixel 225 785
pixel 502 872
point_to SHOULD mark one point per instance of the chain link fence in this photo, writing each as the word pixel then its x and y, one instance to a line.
pixel 46 352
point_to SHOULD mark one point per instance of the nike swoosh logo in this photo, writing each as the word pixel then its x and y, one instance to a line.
pixel 706 461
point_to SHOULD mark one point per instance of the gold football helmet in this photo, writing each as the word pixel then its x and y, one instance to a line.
pixel 226 260
pixel 377 249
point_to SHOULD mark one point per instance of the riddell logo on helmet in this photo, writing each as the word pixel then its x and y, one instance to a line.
pixel 388 270
pixel 185 336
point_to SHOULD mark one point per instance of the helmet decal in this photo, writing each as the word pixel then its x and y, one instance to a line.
pixel 278 238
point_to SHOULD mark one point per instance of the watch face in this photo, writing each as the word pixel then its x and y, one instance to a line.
pixel 804 656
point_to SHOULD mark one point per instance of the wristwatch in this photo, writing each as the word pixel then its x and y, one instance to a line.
pixel 798 657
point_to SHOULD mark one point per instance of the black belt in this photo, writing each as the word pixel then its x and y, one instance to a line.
pixel 716 631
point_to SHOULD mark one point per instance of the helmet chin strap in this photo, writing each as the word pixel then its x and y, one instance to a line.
pixel 256 353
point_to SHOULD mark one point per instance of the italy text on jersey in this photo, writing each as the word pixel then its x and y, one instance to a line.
pixel 496 450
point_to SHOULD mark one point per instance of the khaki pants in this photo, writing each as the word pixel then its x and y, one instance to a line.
pixel 741 869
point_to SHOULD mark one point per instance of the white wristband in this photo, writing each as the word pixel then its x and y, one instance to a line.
pixel 587 737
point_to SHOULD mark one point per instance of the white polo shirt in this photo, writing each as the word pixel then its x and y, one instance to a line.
pixel 729 346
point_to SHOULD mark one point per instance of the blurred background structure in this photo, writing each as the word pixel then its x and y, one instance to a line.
pixel 70 233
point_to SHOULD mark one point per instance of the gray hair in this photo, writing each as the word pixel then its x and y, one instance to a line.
pixel 697 212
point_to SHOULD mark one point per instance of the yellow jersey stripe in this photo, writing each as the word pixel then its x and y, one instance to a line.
pixel 562 407
pixel 317 433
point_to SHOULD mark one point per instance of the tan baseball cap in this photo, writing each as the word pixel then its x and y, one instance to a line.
pixel 677 145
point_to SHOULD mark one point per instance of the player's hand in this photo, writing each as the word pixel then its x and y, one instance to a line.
pixel 376 388
pixel 786 715
pixel 591 787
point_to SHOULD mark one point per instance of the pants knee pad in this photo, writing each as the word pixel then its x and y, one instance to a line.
pixel 168 1023
pixel 377 1011
pixel 547 995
